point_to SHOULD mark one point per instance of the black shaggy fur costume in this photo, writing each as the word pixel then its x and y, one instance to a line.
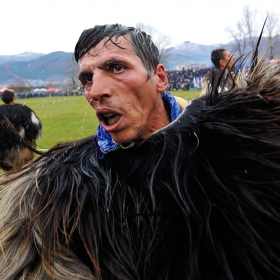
pixel 198 200
pixel 17 119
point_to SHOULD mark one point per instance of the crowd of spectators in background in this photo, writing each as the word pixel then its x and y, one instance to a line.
pixel 186 79
pixel 47 94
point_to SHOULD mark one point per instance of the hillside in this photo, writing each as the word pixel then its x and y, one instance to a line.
pixel 188 54
pixel 31 69
pixel 53 67
pixel 46 68
pixel 19 57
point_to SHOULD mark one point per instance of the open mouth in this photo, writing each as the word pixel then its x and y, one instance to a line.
pixel 110 118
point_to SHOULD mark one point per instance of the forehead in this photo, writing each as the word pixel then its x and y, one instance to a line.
pixel 116 47
pixel 226 53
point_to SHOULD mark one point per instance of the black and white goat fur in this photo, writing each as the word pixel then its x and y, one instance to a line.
pixel 198 200
pixel 19 129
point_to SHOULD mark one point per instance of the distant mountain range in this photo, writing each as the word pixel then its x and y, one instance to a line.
pixel 19 57
pixel 189 53
pixel 33 68
pixel 36 69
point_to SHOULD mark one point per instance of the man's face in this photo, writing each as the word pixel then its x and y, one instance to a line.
pixel 116 86
pixel 228 58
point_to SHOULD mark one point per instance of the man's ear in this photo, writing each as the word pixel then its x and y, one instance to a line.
pixel 222 62
pixel 162 78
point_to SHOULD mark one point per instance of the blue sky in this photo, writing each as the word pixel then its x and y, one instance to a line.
pixel 44 26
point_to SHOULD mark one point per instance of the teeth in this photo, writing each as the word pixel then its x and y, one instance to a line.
pixel 108 115
pixel 113 119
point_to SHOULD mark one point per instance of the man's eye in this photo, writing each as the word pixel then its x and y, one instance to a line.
pixel 115 68
pixel 86 78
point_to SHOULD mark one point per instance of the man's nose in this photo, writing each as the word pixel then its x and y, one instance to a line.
pixel 100 87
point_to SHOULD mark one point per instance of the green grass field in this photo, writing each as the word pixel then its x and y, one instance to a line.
pixel 71 117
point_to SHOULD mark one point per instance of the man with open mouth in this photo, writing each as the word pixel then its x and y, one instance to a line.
pixel 125 84
pixel 79 237
pixel 198 199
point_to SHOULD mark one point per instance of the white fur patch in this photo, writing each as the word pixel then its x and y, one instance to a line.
pixel 34 119
pixel 21 132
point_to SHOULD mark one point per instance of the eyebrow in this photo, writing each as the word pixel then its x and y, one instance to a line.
pixel 102 65
pixel 110 62
pixel 83 73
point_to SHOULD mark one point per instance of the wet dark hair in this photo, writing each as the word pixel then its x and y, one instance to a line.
pixel 216 56
pixel 7 96
pixel 141 42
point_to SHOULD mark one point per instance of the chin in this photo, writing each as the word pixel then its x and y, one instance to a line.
pixel 123 140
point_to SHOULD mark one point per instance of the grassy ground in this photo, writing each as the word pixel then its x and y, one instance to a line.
pixel 63 118
pixel 188 95
pixel 71 117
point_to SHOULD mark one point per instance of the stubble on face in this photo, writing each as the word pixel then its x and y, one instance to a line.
pixel 119 87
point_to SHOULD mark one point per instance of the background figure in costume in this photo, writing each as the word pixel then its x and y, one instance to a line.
pixel 197 199
pixel 219 77
pixel 17 119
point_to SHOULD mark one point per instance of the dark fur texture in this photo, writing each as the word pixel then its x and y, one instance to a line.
pixel 198 200
pixel 19 128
